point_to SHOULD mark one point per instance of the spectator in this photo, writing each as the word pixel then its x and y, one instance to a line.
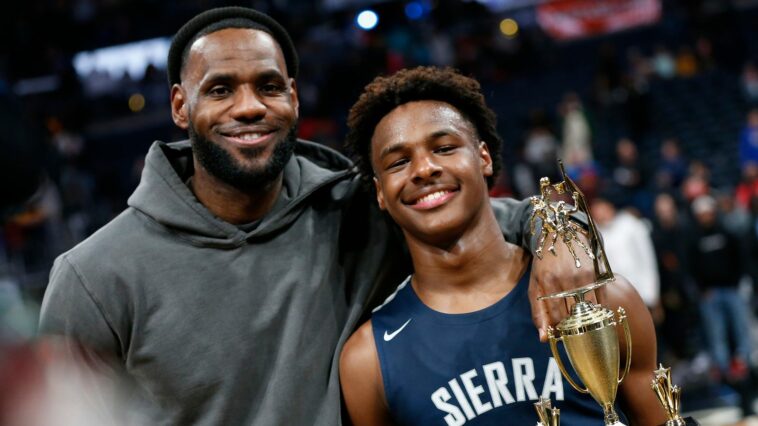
pixel 678 334
pixel 751 251
pixel 750 82
pixel 634 97
pixel 640 68
pixel 686 62
pixel 749 140
pixel 628 176
pixel 672 167
pixel 748 186
pixel 576 150
pixel 629 249
pixel 704 53
pixel 735 217
pixel 577 135
pixel 540 152
pixel 715 263
pixel 663 63
pixel 697 182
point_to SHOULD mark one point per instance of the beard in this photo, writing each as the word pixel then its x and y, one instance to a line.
pixel 221 164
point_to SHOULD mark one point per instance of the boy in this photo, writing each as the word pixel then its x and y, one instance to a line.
pixel 453 344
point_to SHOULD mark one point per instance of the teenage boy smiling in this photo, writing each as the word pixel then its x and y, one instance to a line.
pixel 453 344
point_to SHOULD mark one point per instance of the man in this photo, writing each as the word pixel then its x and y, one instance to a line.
pixel 454 343
pixel 246 257
pixel 716 263
pixel 629 248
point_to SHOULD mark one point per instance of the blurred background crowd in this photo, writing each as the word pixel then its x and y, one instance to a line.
pixel 652 105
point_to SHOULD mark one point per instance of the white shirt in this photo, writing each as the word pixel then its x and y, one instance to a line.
pixel 631 254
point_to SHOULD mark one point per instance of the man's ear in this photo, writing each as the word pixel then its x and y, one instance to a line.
pixel 179 108
pixel 486 159
pixel 293 97
pixel 379 194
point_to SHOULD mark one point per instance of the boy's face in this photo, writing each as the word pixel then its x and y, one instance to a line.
pixel 430 170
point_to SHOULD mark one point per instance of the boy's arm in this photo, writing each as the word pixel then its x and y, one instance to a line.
pixel 635 394
pixel 361 380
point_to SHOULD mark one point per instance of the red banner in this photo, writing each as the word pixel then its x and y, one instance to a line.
pixel 572 19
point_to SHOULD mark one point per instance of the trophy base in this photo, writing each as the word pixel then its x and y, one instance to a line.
pixel 686 421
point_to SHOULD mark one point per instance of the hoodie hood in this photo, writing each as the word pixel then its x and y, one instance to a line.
pixel 162 194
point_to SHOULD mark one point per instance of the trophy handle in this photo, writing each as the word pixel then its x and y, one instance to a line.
pixel 628 338
pixel 557 356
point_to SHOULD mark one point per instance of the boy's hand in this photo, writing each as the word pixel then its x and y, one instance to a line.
pixel 553 274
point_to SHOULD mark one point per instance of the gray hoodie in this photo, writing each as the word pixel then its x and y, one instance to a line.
pixel 219 325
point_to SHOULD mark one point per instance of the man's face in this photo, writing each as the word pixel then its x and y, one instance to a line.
pixel 430 170
pixel 706 218
pixel 239 106
pixel 602 211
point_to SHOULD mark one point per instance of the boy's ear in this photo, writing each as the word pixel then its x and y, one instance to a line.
pixel 379 194
pixel 486 159
pixel 179 108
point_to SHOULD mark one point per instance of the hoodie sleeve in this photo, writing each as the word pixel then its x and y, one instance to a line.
pixel 68 309
pixel 513 217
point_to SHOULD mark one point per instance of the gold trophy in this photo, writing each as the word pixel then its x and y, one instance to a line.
pixel 589 333
pixel 669 396
pixel 548 415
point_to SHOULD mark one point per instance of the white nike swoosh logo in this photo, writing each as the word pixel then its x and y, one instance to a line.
pixel 390 336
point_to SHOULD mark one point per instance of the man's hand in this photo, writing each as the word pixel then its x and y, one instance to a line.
pixel 553 274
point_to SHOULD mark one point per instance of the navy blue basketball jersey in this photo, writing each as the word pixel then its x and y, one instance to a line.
pixel 481 368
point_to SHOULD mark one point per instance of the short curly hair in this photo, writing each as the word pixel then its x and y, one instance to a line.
pixel 447 85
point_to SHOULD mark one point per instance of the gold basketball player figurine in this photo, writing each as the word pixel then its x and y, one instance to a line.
pixel 556 221
pixel 548 415
pixel 669 397
pixel 589 333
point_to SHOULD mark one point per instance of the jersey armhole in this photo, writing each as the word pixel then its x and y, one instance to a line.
pixel 383 370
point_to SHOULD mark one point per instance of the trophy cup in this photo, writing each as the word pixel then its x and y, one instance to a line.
pixel 669 397
pixel 548 415
pixel 589 333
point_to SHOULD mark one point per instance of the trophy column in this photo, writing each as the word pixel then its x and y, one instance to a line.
pixel 589 334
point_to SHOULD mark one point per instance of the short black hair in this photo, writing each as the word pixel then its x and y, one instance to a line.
pixel 227 17
pixel 419 84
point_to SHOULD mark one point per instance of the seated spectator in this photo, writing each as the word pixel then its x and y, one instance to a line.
pixel 672 167
pixel 629 177
pixel 751 249
pixel 540 152
pixel 704 53
pixel 697 182
pixel 749 139
pixel 686 62
pixel 577 135
pixel 748 186
pixel 663 63
pixel 735 216
pixel 750 82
